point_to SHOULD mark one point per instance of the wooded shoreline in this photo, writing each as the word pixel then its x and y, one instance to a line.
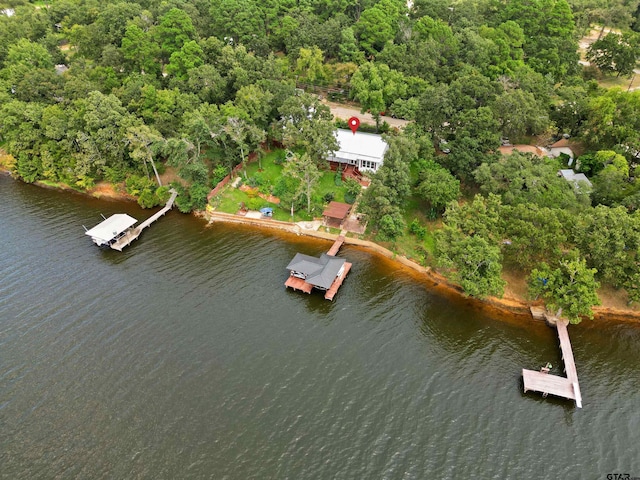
pixel 511 305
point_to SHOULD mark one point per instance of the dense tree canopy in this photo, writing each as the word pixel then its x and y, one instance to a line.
pixel 119 91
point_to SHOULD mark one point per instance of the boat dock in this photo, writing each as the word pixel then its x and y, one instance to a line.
pixel 336 246
pixel 325 273
pixel 545 383
pixel 135 232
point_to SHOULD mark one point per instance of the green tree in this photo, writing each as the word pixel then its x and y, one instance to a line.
pixel 174 29
pixel 376 87
pixel 187 58
pixel 520 114
pixel 140 51
pixel 306 123
pixel 144 142
pixel 522 178
pixel 305 175
pixel 609 239
pixel 472 261
pixel 390 186
pixel 310 67
pixel 615 53
pixel 570 286
pixel 436 185
pixel 374 29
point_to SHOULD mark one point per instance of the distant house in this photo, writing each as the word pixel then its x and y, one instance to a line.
pixel 364 151
pixel 560 147
pixel 575 178
pixel 509 149
pixel 318 272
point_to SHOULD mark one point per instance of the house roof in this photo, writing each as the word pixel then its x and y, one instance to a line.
pixel 360 146
pixel 319 272
pixel 571 176
pixel 509 149
pixel 563 142
pixel 111 227
pixel 337 210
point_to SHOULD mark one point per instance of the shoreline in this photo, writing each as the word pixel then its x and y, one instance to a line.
pixel 511 305
pixel 505 306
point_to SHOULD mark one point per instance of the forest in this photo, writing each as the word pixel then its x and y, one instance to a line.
pixel 122 91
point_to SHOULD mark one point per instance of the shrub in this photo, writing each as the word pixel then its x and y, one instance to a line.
pixel 198 193
pixel 329 196
pixel 417 229
pixel 255 203
pixel 217 175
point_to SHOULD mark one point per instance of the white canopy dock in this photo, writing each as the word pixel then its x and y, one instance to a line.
pixel 111 229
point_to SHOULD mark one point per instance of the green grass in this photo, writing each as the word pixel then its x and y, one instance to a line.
pixel 327 184
pixel 268 175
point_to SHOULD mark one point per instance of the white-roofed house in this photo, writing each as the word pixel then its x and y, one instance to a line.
pixel 577 179
pixel 562 146
pixel 362 151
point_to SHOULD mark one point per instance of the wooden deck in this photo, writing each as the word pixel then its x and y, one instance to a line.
pixel 555 385
pixel 336 246
pixel 298 284
pixel 337 282
pixel 133 234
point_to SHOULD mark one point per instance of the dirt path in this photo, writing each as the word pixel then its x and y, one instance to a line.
pixel 344 112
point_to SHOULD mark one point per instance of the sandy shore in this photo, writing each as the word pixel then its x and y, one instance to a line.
pixel 507 305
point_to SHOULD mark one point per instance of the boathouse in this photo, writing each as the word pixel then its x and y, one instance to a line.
pixel 111 229
pixel 325 273
pixel 317 272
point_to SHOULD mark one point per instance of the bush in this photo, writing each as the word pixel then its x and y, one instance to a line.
pixel 328 197
pixel 417 229
pixel 391 226
pixel 198 193
pixel 255 203
pixel 217 175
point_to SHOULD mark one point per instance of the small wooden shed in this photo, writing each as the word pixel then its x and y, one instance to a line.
pixel 335 214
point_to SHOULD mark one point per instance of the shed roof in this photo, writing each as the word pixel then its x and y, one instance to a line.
pixel 111 227
pixel 360 146
pixel 337 210
pixel 319 272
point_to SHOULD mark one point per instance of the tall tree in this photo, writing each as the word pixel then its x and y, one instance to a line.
pixel 306 123
pixel 570 286
pixel 305 173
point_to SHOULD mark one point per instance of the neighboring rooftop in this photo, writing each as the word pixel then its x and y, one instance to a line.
pixel 573 177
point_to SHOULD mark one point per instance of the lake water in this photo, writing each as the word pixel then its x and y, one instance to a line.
pixel 185 357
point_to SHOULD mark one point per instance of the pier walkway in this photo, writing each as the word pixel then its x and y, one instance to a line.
pixel 134 233
pixel 336 246
pixel 567 387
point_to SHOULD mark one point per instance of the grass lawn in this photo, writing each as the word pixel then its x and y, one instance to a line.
pixel 267 177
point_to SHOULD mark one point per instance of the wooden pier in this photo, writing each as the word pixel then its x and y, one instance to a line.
pixel 567 387
pixel 337 282
pixel 336 246
pixel 135 232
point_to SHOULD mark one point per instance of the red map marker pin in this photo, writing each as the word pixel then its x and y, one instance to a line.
pixel 354 123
